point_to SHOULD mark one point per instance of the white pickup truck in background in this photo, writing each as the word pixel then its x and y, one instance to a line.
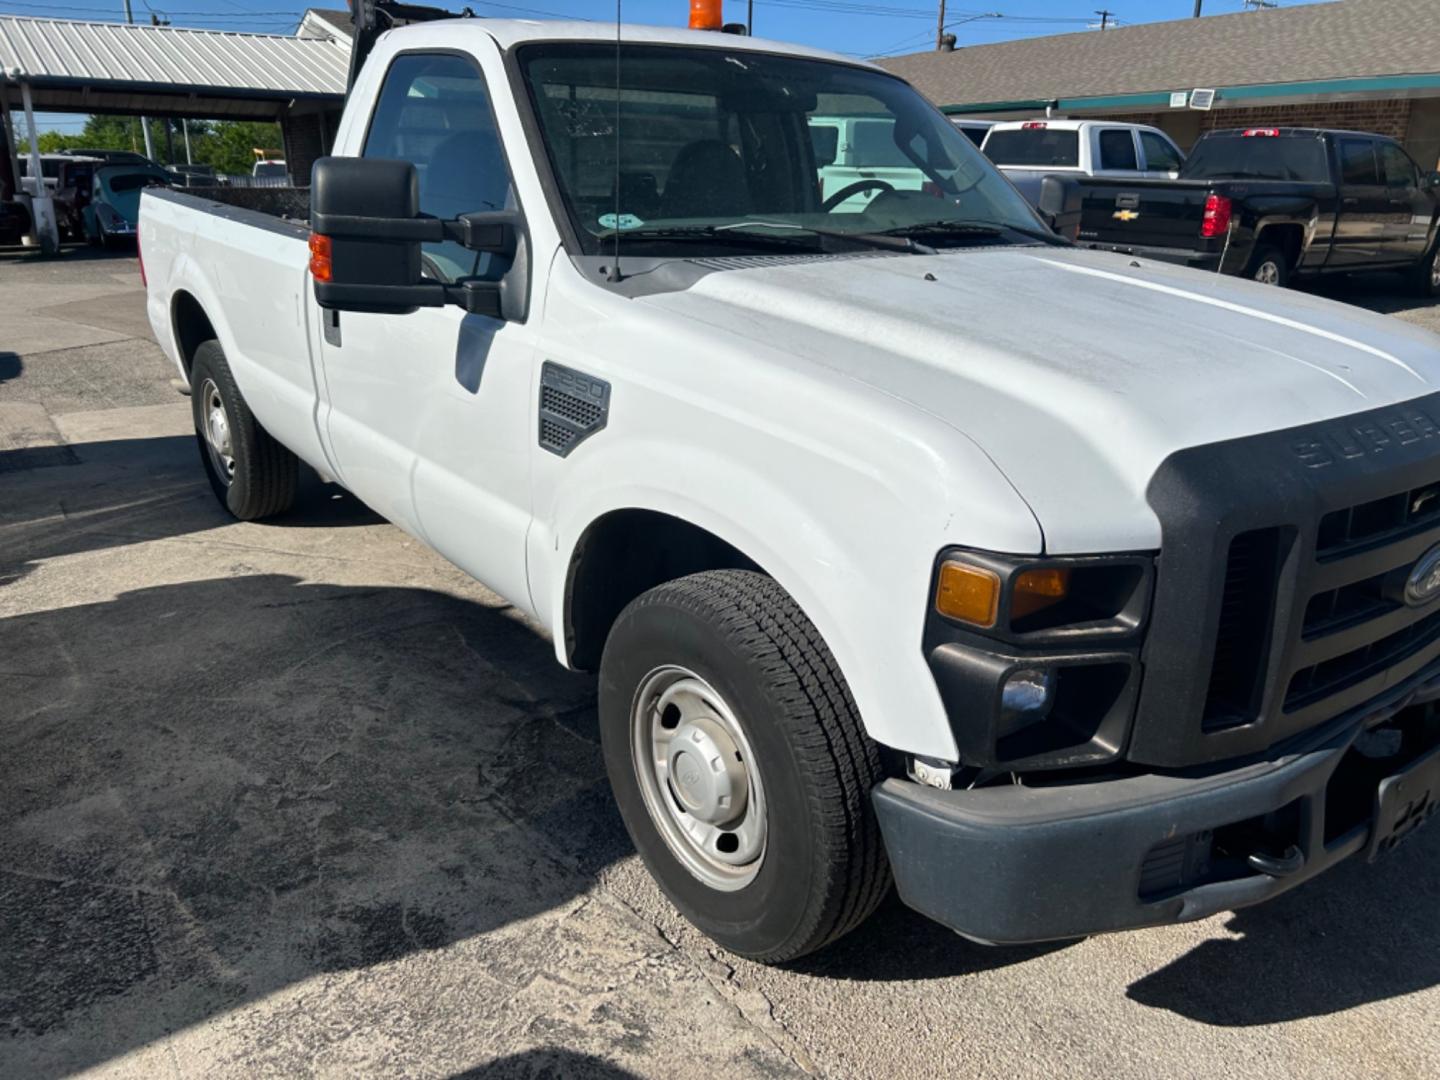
pixel 1027 151
pixel 1068 591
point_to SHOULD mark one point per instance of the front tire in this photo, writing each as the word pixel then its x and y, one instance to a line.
pixel 1269 266
pixel 251 473
pixel 740 764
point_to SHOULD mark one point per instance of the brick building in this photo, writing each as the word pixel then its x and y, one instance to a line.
pixel 1368 65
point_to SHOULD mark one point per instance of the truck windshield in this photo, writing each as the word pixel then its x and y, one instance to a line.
pixel 724 148
pixel 1034 147
pixel 1257 157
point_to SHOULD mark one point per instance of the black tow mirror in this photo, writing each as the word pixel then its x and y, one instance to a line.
pixel 366 231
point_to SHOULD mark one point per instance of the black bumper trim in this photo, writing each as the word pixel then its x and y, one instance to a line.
pixel 1021 864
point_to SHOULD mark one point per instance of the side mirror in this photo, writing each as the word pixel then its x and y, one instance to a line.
pixel 366 231
pixel 1431 182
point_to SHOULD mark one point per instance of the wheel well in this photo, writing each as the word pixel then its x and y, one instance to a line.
pixel 192 327
pixel 1287 238
pixel 622 555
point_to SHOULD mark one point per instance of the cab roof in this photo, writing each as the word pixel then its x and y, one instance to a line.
pixel 509 33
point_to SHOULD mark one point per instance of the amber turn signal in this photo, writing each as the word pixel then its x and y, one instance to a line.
pixel 1036 590
pixel 320 267
pixel 968 593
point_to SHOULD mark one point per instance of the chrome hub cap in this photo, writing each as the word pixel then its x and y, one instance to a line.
pixel 1267 273
pixel 217 432
pixel 698 778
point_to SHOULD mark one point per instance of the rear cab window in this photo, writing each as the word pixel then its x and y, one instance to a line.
pixel 1240 157
pixel 1034 146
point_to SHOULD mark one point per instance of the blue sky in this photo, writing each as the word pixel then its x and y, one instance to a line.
pixel 858 27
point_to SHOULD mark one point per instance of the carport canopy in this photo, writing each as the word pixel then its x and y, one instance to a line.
pixel 103 67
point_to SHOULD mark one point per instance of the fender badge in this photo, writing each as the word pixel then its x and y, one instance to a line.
pixel 1126 215
pixel 1423 584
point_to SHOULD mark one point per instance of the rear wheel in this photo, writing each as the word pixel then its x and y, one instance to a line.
pixel 1269 266
pixel 1427 274
pixel 740 765
pixel 251 473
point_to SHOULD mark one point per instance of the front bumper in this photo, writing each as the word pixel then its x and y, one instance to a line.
pixel 1018 864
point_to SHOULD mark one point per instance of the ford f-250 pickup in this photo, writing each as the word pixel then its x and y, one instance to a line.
pixel 1274 204
pixel 910 544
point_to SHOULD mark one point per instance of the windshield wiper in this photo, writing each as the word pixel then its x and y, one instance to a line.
pixel 886 241
pixel 742 232
pixel 976 228
pixel 689 234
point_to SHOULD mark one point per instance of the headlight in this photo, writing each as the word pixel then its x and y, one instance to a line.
pixel 1038 659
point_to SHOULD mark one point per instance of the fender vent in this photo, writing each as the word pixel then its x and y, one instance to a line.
pixel 573 406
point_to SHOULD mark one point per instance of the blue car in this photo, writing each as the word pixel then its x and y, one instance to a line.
pixel 114 209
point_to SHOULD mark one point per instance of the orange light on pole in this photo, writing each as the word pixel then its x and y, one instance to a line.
pixel 705 15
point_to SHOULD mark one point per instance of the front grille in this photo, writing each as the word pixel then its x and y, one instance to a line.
pixel 1379 521
pixel 1321 680
pixel 1356 629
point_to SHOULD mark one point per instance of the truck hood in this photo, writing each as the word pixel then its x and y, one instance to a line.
pixel 1078 372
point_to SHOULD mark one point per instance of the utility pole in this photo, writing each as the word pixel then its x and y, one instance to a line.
pixel 750 19
pixel 1104 18
pixel 144 123
pixel 185 127
pixel 940 28
pixel 1197 7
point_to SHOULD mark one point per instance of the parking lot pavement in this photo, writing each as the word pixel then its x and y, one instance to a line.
pixel 302 798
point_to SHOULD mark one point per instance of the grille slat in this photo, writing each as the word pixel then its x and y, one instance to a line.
pixel 1242 640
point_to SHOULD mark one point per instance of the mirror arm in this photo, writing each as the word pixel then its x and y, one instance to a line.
pixel 425 230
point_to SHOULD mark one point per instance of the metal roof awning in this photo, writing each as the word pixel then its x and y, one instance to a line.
pixel 160 70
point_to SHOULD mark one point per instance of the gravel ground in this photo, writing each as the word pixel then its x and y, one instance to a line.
pixel 302 799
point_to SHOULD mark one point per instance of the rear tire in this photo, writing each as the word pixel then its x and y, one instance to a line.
pixel 753 685
pixel 251 473
pixel 1269 266
pixel 1426 278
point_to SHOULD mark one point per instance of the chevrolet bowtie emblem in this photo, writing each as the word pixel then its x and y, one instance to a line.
pixel 1126 215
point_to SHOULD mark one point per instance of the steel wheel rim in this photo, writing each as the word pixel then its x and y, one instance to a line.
pixel 1268 273
pixel 215 429
pixel 690 755
pixel 1435 270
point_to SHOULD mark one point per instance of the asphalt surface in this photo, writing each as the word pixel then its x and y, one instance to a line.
pixel 300 798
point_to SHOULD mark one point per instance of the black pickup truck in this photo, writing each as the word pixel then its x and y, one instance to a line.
pixel 1269 203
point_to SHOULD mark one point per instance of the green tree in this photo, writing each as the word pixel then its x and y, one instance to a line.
pixel 227 145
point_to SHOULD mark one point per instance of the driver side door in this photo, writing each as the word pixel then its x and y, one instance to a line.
pixel 427 413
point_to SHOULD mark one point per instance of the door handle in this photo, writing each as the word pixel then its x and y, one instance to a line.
pixel 1349 200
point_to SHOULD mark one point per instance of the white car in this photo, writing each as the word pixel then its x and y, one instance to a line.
pixel 1027 151
pixel 975 129
pixel 1069 592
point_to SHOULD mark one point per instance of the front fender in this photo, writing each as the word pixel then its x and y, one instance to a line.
pixel 855 551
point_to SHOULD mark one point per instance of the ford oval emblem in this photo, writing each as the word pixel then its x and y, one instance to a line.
pixel 1423 584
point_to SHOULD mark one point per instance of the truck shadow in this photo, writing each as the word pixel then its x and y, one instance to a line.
pixel 221 788
pixel 1359 934
pixel 129 490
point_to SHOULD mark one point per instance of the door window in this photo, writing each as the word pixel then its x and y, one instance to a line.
pixel 1400 172
pixel 1159 154
pixel 434 111
pixel 1357 163
pixel 1117 150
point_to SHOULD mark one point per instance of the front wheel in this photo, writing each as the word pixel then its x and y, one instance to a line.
pixel 1269 266
pixel 251 473
pixel 740 765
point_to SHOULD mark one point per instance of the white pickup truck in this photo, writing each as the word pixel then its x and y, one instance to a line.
pixel 1027 151
pixel 1070 592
